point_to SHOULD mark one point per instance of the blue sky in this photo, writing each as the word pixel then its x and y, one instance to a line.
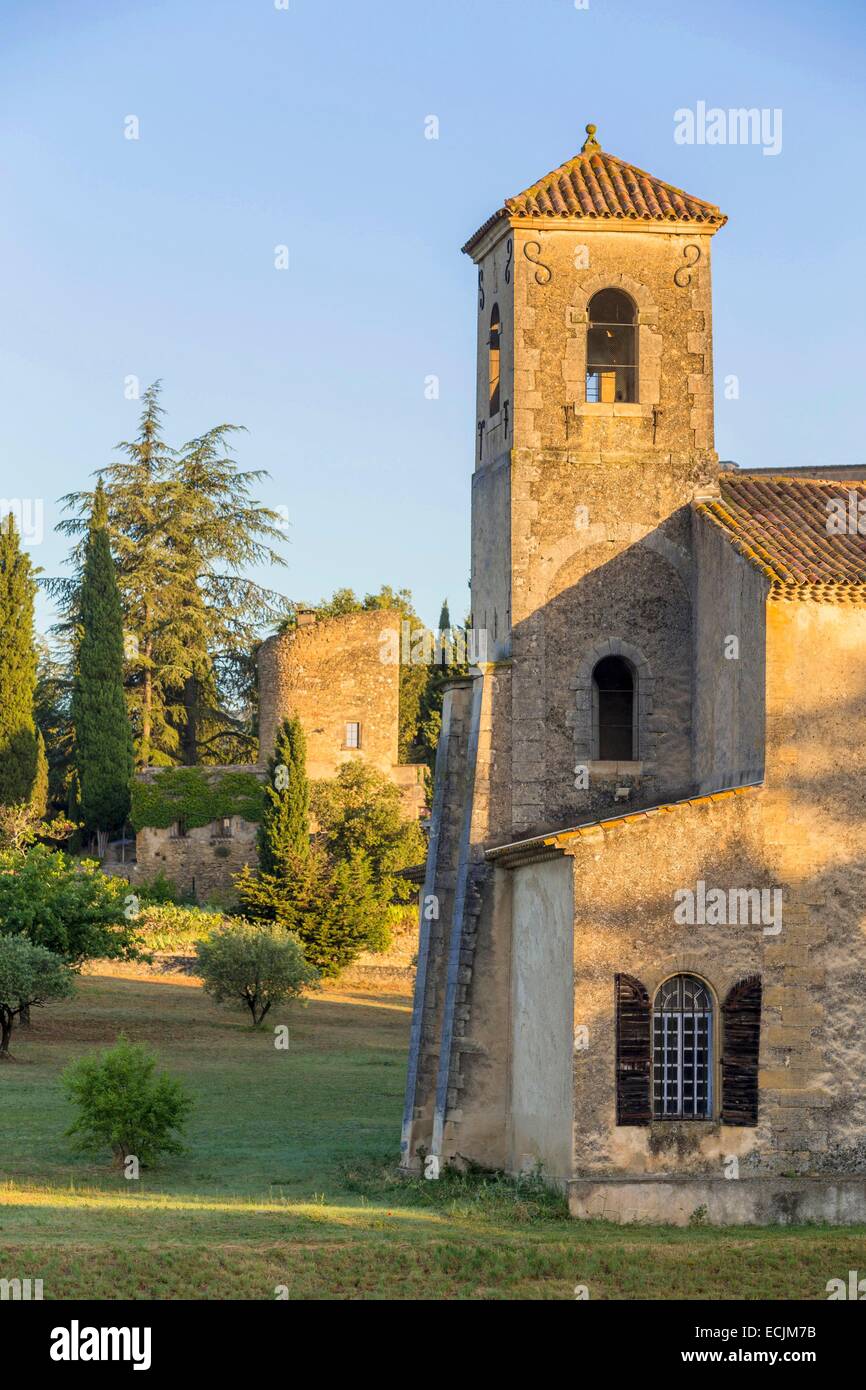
pixel 305 127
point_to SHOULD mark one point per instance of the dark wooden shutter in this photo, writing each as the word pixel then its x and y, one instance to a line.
pixel 633 1052
pixel 741 1037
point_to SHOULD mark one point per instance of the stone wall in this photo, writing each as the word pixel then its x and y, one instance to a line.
pixel 625 877
pixel 542 1102
pixel 581 520
pixel 329 674
pixel 332 673
pixel 815 821
pixel 730 697
pixel 437 916
pixel 765 1201
pixel 200 862
pixel 496 286
pixel 674 411
pixel 803 833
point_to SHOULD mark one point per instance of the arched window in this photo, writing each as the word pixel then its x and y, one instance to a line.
pixel 493 359
pixel 614 711
pixel 611 348
pixel 682 1050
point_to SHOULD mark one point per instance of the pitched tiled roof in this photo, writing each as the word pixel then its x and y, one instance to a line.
pixel 550 846
pixel 797 532
pixel 599 187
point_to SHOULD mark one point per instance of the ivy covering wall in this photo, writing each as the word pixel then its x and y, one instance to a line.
pixel 188 794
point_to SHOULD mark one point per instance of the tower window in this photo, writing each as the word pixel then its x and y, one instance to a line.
pixel 614 709
pixel 682 1050
pixel 353 736
pixel 493 358
pixel 611 348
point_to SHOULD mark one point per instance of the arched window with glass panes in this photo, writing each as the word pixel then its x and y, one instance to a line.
pixel 682 1050
pixel 665 1051
pixel 611 349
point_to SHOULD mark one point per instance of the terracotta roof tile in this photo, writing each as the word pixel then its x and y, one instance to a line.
pixel 598 186
pixel 789 528
pixel 547 846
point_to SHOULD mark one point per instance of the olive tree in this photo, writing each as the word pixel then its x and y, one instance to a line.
pixel 254 966
pixel 29 975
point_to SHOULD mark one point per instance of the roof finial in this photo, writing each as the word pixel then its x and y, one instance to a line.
pixel 591 145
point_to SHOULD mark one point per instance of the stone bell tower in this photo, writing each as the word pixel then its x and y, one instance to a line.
pixel 594 433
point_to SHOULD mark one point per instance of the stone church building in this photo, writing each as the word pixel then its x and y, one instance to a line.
pixel 642 947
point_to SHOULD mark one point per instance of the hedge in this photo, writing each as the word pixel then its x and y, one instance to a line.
pixel 188 794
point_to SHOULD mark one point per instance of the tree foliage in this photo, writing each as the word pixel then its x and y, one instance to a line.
pixel 360 811
pixel 53 714
pixel 66 905
pixel 103 736
pixel 343 895
pixel 254 966
pixel 23 772
pixel 124 1106
pixel 21 826
pixel 284 832
pixel 184 526
pixel 346 916
pixel 29 975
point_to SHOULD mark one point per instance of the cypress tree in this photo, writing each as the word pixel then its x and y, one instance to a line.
pixel 103 737
pixel 284 833
pixel 20 746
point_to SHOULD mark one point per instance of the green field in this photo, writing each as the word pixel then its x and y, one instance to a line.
pixel 289 1180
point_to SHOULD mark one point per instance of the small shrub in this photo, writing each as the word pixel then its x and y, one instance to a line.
pixel 124 1106
pixel 253 966
pixel 168 927
pixel 160 890
pixel 222 900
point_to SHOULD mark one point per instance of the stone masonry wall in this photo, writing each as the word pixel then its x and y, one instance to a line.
pixel 202 861
pixel 598 528
pixel 625 877
pixel 331 673
pixel 815 819
pixel 729 681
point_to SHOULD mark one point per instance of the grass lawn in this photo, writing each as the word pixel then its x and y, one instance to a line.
pixel 288 1180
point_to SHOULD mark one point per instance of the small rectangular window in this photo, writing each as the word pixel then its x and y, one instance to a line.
pixel 223 828
pixel 178 830
pixel 353 736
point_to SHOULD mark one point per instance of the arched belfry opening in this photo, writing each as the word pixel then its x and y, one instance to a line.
pixel 614 710
pixel 494 358
pixel 611 348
